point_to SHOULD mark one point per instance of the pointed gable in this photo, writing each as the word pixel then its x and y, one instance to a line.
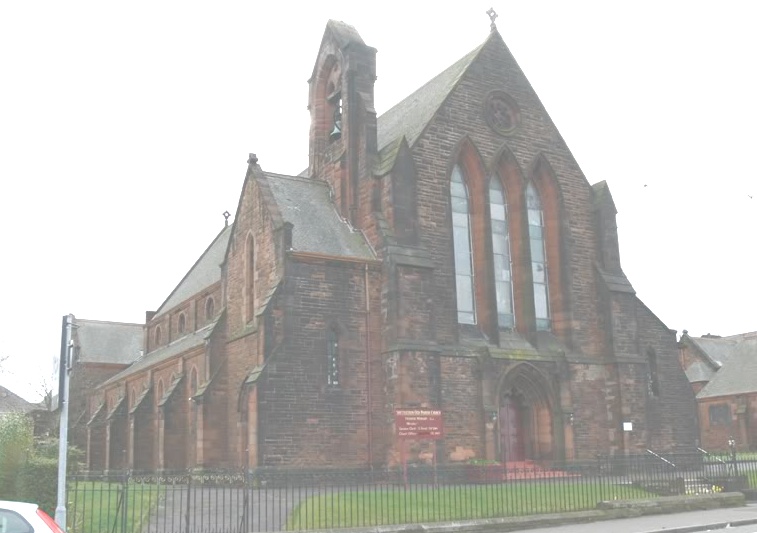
pixel 316 226
pixel 107 342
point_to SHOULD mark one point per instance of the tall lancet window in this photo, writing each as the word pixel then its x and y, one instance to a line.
pixel 461 236
pixel 538 257
pixel 501 254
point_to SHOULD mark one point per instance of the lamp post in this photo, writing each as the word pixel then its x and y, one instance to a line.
pixel 732 447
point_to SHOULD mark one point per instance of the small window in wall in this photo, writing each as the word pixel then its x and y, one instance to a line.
pixel 182 323
pixel 720 414
pixel 159 396
pixel 210 308
pixel 332 353
pixel 193 382
pixel 158 336
pixel 653 381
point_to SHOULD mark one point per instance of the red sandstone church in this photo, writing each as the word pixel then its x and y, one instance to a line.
pixel 447 255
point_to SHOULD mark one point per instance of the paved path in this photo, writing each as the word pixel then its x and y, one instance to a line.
pixel 224 510
pixel 669 523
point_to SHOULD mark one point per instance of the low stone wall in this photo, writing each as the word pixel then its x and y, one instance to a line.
pixel 604 511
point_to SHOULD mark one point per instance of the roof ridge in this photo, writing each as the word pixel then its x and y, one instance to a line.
pixel 226 229
pixel 111 322
pixel 296 178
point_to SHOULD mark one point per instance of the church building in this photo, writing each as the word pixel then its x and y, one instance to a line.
pixel 448 256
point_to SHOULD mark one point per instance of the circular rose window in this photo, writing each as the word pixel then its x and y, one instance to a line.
pixel 501 112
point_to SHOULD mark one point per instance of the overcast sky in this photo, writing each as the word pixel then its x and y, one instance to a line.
pixel 125 129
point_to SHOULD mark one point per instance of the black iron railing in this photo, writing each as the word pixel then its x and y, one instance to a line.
pixel 301 499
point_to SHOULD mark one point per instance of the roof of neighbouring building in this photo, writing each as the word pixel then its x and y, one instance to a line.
pixel 317 227
pixel 205 272
pixel 699 371
pixel 11 402
pixel 737 374
pixel 717 349
pixel 107 342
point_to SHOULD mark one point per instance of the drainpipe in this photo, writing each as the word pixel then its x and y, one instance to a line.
pixel 369 419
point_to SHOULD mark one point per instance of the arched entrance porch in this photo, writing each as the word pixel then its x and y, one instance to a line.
pixel 525 421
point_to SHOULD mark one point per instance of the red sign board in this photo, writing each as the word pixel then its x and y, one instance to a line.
pixel 418 424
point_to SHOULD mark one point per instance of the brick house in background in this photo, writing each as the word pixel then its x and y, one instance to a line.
pixel 11 402
pixel 44 420
pixel 449 254
pixel 723 374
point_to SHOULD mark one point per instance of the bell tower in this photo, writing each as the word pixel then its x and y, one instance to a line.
pixel 342 117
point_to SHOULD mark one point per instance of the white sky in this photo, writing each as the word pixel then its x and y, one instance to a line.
pixel 125 129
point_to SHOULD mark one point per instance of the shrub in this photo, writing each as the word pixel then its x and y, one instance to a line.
pixel 38 482
pixel 16 440
pixel 49 448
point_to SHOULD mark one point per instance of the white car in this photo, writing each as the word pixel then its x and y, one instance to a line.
pixel 19 517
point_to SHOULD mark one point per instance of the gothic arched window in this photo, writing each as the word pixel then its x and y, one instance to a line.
pixel 653 381
pixel 182 323
pixel 210 309
pixel 501 254
pixel 538 257
pixel 249 280
pixel 332 357
pixel 461 236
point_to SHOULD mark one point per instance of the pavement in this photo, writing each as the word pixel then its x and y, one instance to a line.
pixel 688 522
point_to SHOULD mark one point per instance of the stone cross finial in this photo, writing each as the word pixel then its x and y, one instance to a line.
pixel 492 16
pixel 252 159
pixel 226 216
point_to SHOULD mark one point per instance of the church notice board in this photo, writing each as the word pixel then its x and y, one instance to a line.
pixel 418 424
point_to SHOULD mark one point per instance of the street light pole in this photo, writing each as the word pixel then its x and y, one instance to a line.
pixel 66 360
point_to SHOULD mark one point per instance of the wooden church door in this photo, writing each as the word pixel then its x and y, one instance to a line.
pixel 511 430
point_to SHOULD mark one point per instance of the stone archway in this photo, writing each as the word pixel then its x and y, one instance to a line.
pixel 525 421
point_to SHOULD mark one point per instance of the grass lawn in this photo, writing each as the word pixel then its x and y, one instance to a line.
pixel 99 507
pixel 393 505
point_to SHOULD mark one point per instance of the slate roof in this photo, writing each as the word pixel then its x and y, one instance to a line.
pixel 204 273
pixel 13 403
pixel 738 374
pixel 699 371
pixel 107 342
pixel 177 347
pixel 719 350
pixel 317 227
pixel 409 117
